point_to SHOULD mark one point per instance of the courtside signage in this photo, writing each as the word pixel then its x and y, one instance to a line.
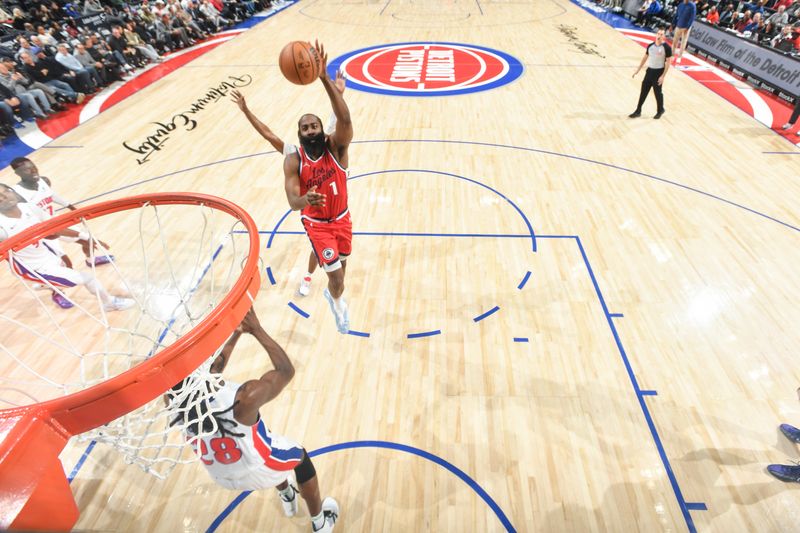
pixel 427 69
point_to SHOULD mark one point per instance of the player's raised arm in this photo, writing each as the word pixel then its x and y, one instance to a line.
pixel 291 172
pixel 260 127
pixel 256 392
pixel 344 127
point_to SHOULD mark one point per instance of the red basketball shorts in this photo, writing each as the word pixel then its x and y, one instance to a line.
pixel 331 241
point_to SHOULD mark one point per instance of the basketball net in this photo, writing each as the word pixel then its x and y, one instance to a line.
pixel 177 262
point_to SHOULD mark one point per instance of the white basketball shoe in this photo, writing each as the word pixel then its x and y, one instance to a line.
pixel 330 510
pixel 305 286
pixel 119 304
pixel 342 317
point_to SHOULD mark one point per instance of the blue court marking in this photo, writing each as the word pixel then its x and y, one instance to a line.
pixel 80 462
pixel 358 333
pixel 490 312
pixel 424 334
pixel 696 506
pixel 269 273
pixel 524 280
pixel 648 393
pixel 531 234
pixel 298 310
pixel 616 315
pixel 446 141
pixel 642 404
pixel 520 339
pixel 463 476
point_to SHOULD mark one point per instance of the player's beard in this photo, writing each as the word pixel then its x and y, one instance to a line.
pixel 313 144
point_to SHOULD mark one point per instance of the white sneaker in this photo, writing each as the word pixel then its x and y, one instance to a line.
pixel 289 506
pixel 305 286
pixel 119 304
pixel 342 324
pixel 330 510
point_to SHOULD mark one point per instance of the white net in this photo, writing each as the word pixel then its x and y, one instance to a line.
pixel 166 267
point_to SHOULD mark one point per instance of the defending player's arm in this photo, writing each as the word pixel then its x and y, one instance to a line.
pixel 340 138
pixel 256 392
pixel 291 172
pixel 259 126
pixel 221 360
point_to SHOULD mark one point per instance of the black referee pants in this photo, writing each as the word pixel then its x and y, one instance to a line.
pixel 651 81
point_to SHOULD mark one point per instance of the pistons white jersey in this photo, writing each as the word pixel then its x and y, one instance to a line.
pixel 41 197
pixel 34 256
pixel 245 457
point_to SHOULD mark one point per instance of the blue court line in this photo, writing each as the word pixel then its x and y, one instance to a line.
pixel 463 476
pixel 424 334
pixel 616 315
pixel 524 280
pixel 520 339
pixel 298 310
pixel 270 276
pixel 642 404
pixel 358 333
pixel 696 506
pixel 80 462
pixel 491 311
pixel 648 393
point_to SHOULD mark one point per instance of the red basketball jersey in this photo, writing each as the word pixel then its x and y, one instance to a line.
pixel 331 180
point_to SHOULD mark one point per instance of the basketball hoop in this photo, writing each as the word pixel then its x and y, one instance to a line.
pixel 34 492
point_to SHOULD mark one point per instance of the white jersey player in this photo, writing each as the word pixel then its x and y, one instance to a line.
pixel 39 263
pixel 37 190
pixel 238 450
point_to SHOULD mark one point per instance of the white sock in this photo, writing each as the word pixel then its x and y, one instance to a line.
pixel 287 494
pixel 339 304
pixel 93 285
pixel 318 521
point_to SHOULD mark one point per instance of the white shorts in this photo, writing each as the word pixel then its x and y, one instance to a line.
pixel 284 457
pixel 54 274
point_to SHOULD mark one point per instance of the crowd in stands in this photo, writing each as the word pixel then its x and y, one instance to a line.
pixel 773 23
pixel 53 53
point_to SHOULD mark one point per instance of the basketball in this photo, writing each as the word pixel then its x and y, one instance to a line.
pixel 299 62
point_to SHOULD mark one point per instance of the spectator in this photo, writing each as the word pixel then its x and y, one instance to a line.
pixel 795 115
pixel 98 49
pixel 726 17
pixel 45 37
pixel 744 19
pixel 19 19
pixel 216 17
pixel 755 24
pixel 43 73
pixel 25 46
pixel 35 99
pixel 143 48
pixel 23 80
pixel 780 17
pixel 784 41
pixel 766 33
pixel 11 103
pixel 712 17
pixel 92 7
pixel 649 9
pixel 69 62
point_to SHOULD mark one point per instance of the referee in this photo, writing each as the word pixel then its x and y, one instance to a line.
pixel 657 57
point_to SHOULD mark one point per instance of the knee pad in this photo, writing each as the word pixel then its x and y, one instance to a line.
pixel 305 470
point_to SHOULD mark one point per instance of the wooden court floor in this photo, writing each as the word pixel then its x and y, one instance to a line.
pixel 627 375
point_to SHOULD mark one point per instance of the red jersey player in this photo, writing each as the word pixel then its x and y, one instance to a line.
pixel 316 183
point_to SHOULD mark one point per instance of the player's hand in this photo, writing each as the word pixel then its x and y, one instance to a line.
pixel 661 80
pixel 323 58
pixel 314 198
pixel 238 99
pixel 339 82
pixel 250 322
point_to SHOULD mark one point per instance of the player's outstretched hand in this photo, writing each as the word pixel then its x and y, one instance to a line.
pixel 238 99
pixel 250 322
pixel 87 246
pixel 339 82
pixel 323 57
pixel 314 198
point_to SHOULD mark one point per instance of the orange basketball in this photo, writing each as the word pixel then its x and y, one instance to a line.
pixel 299 62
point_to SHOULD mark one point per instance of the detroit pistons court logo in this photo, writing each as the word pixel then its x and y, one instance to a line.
pixel 427 69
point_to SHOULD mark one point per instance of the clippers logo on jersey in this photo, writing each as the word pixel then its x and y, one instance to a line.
pixel 327 253
pixel 427 69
